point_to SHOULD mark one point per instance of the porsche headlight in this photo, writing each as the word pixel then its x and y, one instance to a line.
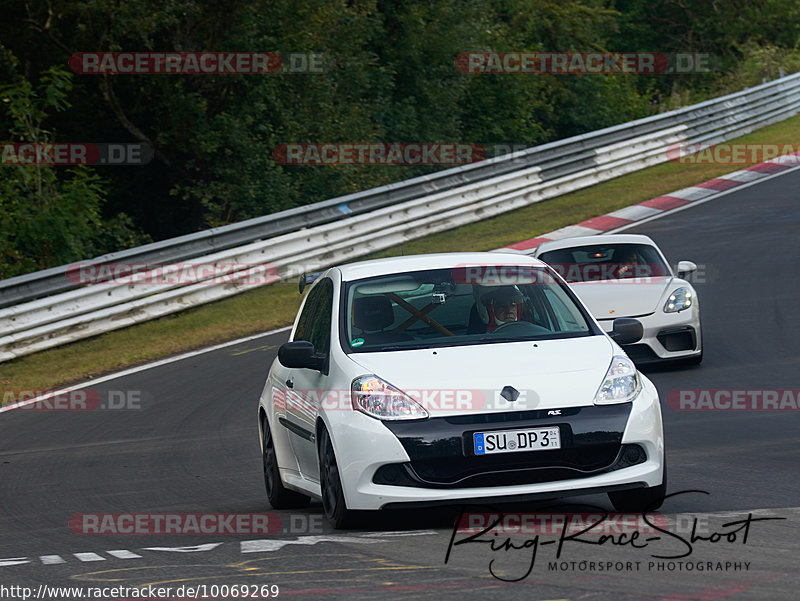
pixel 679 300
pixel 381 400
pixel 621 383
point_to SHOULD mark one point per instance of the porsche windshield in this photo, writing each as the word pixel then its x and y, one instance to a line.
pixel 606 262
pixel 467 305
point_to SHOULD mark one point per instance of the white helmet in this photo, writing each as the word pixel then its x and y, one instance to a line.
pixel 486 297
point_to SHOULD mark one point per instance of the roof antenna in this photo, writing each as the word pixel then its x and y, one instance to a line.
pixel 402 254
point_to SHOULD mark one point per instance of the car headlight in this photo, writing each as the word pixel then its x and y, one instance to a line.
pixel 679 300
pixel 381 400
pixel 620 384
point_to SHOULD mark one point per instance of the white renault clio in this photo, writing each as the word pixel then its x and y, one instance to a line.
pixel 464 377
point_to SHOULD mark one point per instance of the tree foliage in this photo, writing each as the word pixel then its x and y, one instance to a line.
pixel 388 76
pixel 48 217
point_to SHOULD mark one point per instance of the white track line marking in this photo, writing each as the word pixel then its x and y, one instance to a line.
pixel 690 193
pixel 194 549
pixel 635 212
pixel 52 559
pixel 263 545
pixel 743 176
pixel 572 230
pixel 89 557
pixel 399 533
pixel 123 554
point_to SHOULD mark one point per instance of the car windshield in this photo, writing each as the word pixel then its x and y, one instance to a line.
pixel 606 262
pixel 461 306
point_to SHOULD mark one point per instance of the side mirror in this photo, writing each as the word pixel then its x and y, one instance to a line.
pixel 300 354
pixel 685 268
pixel 627 330
pixel 306 279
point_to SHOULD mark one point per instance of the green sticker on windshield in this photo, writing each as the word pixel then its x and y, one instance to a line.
pixel 356 342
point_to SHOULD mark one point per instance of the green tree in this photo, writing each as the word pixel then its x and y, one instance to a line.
pixel 49 215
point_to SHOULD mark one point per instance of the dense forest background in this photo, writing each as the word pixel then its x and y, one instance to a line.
pixel 389 76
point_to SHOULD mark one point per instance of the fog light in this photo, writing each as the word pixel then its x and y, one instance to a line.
pixel 634 454
pixel 630 454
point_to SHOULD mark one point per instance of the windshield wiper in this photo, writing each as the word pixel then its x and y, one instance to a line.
pixel 502 339
pixel 395 347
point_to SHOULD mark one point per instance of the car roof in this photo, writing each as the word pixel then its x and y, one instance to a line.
pixel 592 240
pixel 374 267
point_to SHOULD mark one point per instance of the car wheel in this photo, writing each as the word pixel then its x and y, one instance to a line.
pixel 640 499
pixel 333 502
pixel 278 496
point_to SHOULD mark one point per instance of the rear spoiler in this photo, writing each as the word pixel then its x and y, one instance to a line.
pixel 306 279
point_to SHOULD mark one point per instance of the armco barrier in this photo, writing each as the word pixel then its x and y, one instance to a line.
pixel 345 228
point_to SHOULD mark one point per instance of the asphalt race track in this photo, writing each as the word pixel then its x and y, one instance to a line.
pixel 191 446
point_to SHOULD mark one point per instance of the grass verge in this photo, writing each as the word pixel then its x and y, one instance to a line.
pixel 274 306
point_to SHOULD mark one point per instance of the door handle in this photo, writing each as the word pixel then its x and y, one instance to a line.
pixel 290 383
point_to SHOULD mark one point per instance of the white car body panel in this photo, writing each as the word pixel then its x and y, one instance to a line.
pixel 525 367
pixel 619 298
pixel 554 374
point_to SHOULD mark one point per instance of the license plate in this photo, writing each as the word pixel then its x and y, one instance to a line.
pixel 513 441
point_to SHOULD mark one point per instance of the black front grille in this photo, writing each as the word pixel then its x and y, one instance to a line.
pixel 683 339
pixel 505 473
pixel 519 468
pixel 640 353
pixel 506 417
pixel 442 449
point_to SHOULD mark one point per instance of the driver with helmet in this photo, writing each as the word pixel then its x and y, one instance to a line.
pixel 498 305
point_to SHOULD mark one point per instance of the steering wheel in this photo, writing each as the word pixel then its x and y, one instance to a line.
pixel 522 326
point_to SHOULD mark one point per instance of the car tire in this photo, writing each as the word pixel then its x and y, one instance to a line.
pixel 640 499
pixel 279 497
pixel 333 502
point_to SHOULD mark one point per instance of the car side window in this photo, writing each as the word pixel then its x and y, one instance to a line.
pixel 314 324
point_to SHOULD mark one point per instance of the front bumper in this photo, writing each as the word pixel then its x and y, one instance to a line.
pixel 667 336
pixel 441 450
pixel 432 461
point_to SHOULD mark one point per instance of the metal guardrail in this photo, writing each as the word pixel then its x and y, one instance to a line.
pixel 51 281
pixel 344 228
